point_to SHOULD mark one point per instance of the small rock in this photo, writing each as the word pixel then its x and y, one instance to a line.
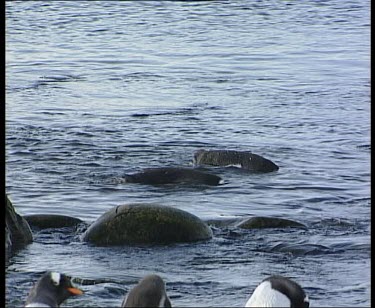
pixel 269 222
pixel 244 160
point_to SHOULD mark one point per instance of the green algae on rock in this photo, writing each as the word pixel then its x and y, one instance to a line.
pixel 141 223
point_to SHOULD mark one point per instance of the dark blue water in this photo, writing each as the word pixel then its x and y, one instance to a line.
pixel 98 89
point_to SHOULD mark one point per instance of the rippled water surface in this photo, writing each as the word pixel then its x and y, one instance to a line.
pixel 95 90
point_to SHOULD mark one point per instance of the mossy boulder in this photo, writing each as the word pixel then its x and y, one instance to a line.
pixel 44 221
pixel 132 224
pixel 172 175
pixel 17 230
pixel 241 159
pixel 268 222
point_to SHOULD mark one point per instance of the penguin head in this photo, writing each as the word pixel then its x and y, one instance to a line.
pixel 51 290
pixel 149 292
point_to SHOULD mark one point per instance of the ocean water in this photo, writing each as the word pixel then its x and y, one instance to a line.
pixel 95 90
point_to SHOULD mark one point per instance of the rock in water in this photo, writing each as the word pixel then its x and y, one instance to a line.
pixel 269 222
pixel 43 221
pixel 244 160
pixel 132 224
pixel 17 230
pixel 172 175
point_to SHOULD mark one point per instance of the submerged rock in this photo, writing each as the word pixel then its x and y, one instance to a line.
pixel 44 221
pixel 268 222
pixel 299 248
pixel 169 175
pixel 245 160
pixel 364 147
pixel 146 224
pixel 17 230
pixel 258 222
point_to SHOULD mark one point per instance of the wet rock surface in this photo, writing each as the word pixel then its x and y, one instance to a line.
pixel 241 159
pixel 269 222
pixel 172 175
pixel 17 230
pixel 146 224
pixel 43 221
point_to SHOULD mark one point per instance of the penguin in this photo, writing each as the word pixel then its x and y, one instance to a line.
pixel 51 290
pixel 149 292
pixel 278 291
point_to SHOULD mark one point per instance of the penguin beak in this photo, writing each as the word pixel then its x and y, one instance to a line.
pixel 75 291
